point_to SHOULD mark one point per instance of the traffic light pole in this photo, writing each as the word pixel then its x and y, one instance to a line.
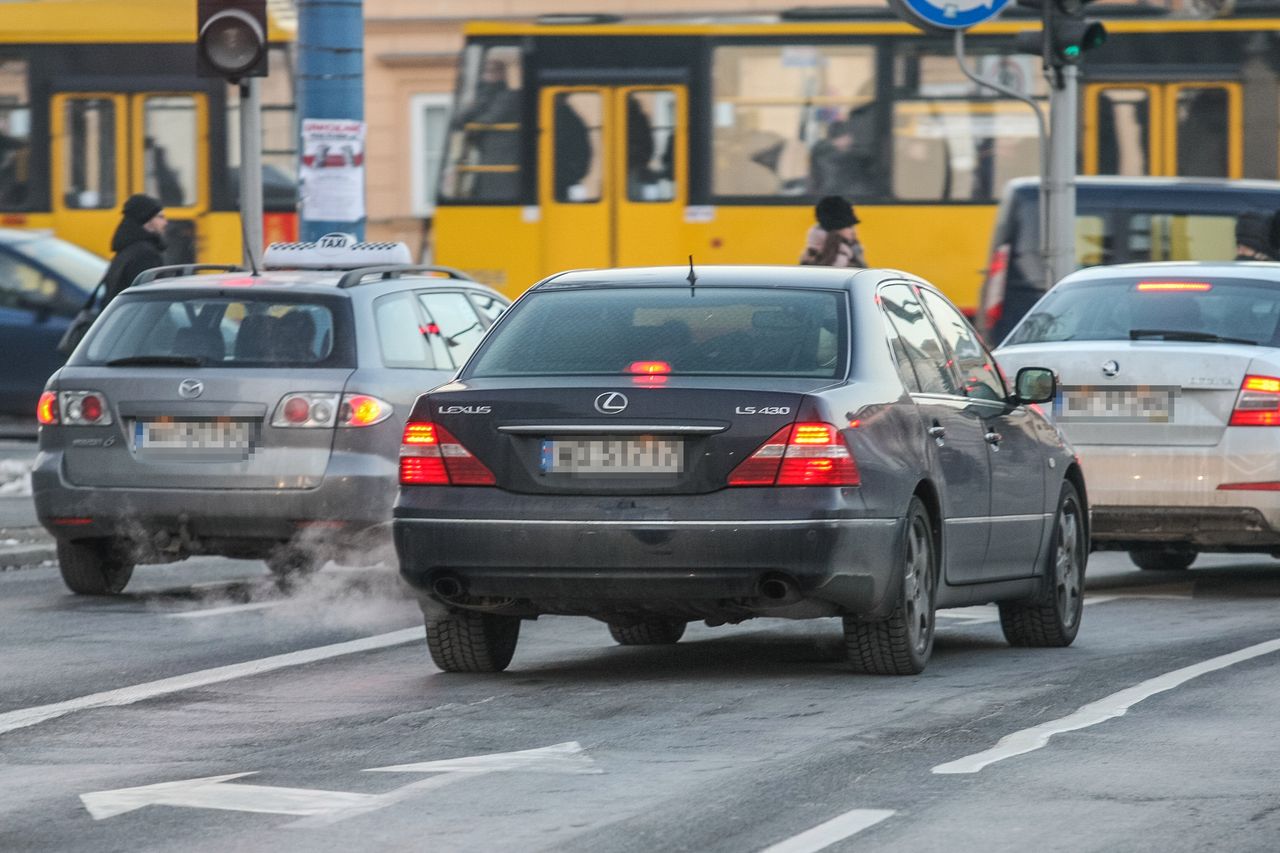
pixel 251 168
pixel 1060 179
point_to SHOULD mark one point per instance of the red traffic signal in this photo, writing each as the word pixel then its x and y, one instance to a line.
pixel 231 39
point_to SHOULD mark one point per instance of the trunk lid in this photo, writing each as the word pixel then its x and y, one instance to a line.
pixel 594 435
pixel 1163 393
pixel 222 438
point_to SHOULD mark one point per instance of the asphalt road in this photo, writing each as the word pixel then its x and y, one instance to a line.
pixel 741 738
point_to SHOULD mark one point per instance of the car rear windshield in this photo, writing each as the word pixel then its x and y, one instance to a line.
pixel 1156 308
pixel 222 330
pixel 707 331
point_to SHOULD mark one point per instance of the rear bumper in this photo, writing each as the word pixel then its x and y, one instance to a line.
pixel 711 569
pixel 1205 528
pixel 346 510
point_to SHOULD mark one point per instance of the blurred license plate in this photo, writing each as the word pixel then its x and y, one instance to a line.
pixel 192 435
pixel 1141 404
pixel 613 456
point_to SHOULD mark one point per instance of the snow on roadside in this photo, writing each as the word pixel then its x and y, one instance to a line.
pixel 15 477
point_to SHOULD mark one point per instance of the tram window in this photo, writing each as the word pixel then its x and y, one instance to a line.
pixel 792 120
pixel 1202 132
pixel 89 158
pixel 484 148
pixel 1124 131
pixel 651 139
pixel 15 136
pixel 578 171
pixel 170 159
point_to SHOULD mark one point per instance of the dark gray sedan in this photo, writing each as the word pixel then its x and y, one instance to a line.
pixel 653 446
pixel 245 415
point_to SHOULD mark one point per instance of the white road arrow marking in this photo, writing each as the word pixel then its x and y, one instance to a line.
pixel 320 808
pixel 209 793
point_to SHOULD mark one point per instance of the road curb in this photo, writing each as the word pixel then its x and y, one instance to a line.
pixel 26 556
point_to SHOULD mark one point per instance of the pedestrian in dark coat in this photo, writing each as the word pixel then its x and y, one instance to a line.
pixel 137 243
pixel 833 242
pixel 1256 236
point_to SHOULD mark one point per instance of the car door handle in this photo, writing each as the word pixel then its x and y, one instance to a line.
pixel 937 431
pixel 993 438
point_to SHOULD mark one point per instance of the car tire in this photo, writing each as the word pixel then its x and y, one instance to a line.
pixel 1163 559
pixel 290 565
pixel 902 644
pixel 93 567
pixel 473 642
pixel 658 632
pixel 1054 620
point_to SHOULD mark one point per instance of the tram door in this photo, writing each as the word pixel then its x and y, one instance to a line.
pixel 1186 129
pixel 107 146
pixel 612 166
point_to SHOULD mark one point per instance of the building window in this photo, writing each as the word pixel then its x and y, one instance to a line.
pixel 429 126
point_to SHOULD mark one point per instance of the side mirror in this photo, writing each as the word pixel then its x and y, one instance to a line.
pixel 1035 385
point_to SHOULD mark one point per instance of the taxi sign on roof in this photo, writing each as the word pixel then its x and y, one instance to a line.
pixel 336 251
pixel 948 14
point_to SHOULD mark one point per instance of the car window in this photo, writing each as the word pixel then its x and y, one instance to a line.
pixel 401 337
pixel 923 348
pixel 25 286
pixel 979 376
pixel 901 357
pixel 489 306
pixel 83 269
pixel 453 326
pixel 1116 309
pixel 745 331
pixel 222 332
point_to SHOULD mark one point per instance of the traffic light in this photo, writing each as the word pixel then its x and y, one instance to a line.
pixel 1067 33
pixel 231 39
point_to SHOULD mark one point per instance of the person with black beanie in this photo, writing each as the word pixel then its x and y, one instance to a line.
pixel 138 244
pixel 832 242
pixel 1257 235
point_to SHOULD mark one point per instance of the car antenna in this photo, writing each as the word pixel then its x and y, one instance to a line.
pixel 692 278
pixel 248 250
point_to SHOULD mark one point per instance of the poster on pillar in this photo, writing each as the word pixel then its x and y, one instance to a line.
pixel 332 171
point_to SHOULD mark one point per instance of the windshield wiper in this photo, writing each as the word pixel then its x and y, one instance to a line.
pixel 157 360
pixel 1183 335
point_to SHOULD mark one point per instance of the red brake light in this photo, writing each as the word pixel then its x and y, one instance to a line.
pixel 649 368
pixel 804 454
pixel 994 288
pixel 1173 286
pixel 47 408
pixel 91 408
pixel 1258 403
pixel 297 410
pixel 430 455
pixel 78 408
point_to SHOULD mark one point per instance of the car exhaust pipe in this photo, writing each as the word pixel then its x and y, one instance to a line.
pixel 778 588
pixel 447 587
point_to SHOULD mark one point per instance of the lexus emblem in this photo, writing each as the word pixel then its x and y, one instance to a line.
pixel 190 388
pixel 1110 368
pixel 611 402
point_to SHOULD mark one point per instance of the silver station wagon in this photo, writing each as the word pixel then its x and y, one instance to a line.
pixel 255 415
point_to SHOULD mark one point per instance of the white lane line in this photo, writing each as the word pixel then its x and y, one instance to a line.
pixel 24 717
pixel 222 611
pixel 824 835
pixel 982 614
pixel 1106 708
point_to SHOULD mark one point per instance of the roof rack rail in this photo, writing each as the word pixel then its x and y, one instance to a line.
pixel 357 277
pixel 178 270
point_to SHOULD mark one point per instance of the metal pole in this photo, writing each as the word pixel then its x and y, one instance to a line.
pixel 331 86
pixel 1063 132
pixel 251 168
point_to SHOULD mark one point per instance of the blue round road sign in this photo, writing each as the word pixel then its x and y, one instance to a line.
pixel 953 14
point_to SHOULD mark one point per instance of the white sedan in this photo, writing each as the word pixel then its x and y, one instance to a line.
pixel 1169 389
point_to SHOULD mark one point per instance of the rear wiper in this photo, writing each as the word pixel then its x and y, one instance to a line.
pixel 1181 335
pixel 158 361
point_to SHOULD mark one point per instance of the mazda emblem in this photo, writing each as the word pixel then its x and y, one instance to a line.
pixel 611 402
pixel 1110 368
pixel 190 388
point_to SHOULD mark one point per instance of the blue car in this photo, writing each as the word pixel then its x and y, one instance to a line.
pixel 44 281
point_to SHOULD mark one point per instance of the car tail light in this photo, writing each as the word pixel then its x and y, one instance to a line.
pixel 649 368
pixel 361 410
pixel 430 455
pixel 47 408
pixel 804 454
pixel 306 409
pixel 1174 286
pixel 993 289
pixel 82 408
pixel 1258 403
